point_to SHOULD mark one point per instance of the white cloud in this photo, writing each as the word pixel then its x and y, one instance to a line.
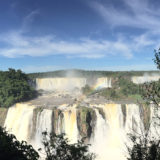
pixel 27 21
pixel 16 44
pixel 138 13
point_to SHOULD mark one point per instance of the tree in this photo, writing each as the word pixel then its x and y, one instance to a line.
pixel 57 147
pixel 144 146
pixel 12 149
pixel 14 87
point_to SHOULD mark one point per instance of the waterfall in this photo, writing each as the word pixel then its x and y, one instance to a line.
pixel 98 140
pixel 114 139
pixel 103 82
pixel 133 119
pixel 109 135
pixel 18 121
pixel 145 78
pixel 60 84
pixel 67 84
pixel 154 123
pixel 43 123
pixel 70 125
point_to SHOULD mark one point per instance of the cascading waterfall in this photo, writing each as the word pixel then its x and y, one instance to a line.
pixel 98 138
pixel 18 121
pixel 145 78
pixel 108 138
pixel 61 84
pixel 103 82
pixel 154 123
pixel 133 119
pixel 67 84
pixel 43 123
pixel 70 125
pixel 110 145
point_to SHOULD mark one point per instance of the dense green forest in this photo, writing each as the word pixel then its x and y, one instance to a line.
pixel 14 87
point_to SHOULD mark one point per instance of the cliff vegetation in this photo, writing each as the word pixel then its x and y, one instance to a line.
pixel 14 87
pixel 122 89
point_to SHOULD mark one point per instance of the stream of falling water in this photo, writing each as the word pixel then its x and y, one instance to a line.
pixel 70 125
pixel 43 123
pixel 18 120
pixel 108 139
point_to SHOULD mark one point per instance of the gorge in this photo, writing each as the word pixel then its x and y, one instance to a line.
pixel 62 108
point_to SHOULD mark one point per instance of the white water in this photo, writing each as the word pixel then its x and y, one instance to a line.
pixel 43 123
pixel 107 140
pixel 60 84
pixel 18 120
pixel 67 84
pixel 103 82
pixel 145 78
pixel 70 125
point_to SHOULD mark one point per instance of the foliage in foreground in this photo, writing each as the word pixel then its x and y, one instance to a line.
pixel 144 148
pixel 57 147
pixel 12 149
pixel 14 87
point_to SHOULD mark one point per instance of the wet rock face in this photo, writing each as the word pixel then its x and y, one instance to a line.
pixel 34 122
pixel 123 107
pixel 86 119
pixel 145 112
pixel 3 114
pixel 57 118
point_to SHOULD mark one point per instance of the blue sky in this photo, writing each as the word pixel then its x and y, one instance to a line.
pixel 45 35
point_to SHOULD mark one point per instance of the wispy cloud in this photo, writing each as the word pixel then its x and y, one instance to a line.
pixel 138 13
pixel 27 20
pixel 135 14
pixel 16 44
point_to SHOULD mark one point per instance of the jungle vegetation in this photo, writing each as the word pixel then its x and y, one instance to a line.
pixel 14 87
pixel 122 89
pixel 56 147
